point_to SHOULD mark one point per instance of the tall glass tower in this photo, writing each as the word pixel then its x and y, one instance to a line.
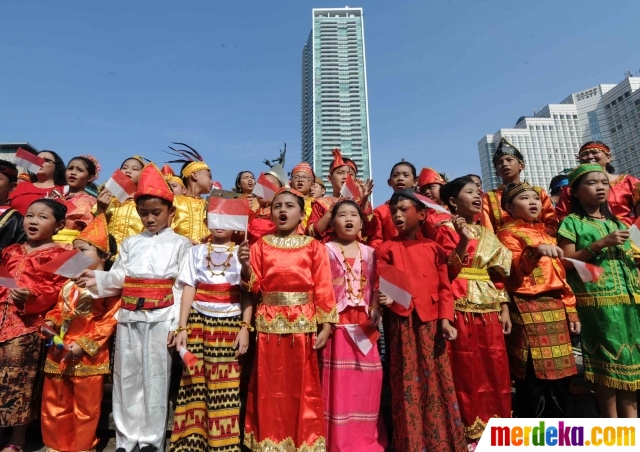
pixel 335 111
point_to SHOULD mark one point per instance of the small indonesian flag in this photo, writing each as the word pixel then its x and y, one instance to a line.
pixel 228 214
pixel 365 335
pixel 350 188
pixel 68 264
pixel 6 279
pixel 634 234
pixel 28 161
pixel 587 272
pixel 264 188
pixel 394 284
pixel 120 186
pixel 431 204
pixel 188 358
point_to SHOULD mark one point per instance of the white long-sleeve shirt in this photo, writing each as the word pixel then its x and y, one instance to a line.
pixel 152 256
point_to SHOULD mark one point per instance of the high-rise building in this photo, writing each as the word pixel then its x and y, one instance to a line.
pixel 550 139
pixel 334 91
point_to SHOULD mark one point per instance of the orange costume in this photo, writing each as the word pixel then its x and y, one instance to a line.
pixel 284 405
pixel 79 207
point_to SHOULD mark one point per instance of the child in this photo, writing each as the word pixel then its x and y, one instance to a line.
pixel 215 320
pixel 403 175
pixel 608 308
pixel 145 274
pixel 318 190
pixel 11 229
pixel 302 178
pixel 292 274
pixel 123 218
pixel 509 164
pixel 318 225
pixel 72 394
pixel 543 308
pixel 477 265
pixel 260 224
pixel 430 183
pixel 191 208
pixel 20 312
pixel 425 410
pixel 351 377
pixel 175 183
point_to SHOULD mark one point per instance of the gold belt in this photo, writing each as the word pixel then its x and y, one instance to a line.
pixel 474 274
pixel 286 298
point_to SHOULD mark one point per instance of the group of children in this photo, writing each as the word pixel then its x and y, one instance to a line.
pixel 297 301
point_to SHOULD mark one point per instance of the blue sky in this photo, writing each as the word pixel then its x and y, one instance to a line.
pixel 115 78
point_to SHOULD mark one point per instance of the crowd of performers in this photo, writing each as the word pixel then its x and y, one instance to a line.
pixel 296 306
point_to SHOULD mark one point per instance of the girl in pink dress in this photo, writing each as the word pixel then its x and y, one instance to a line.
pixel 351 368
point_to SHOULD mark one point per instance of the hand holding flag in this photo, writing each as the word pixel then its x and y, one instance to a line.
pixel 394 284
pixel 587 272
pixel 120 186
pixel 350 189
pixel 68 264
pixel 228 214
pixel 188 358
pixel 30 162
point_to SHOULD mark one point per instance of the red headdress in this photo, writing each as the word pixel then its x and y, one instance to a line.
pixel 96 233
pixel 429 176
pixel 338 162
pixel 596 147
pixel 152 183
pixel 287 190
pixel 303 167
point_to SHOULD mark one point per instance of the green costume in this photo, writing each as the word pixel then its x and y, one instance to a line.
pixel 608 308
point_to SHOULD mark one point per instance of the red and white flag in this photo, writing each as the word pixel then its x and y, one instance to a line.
pixel 431 204
pixel 228 214
pixel 68 264
pixel 264 188
pixel 120 186
pixel 394 284
pixel 188 358
pixel 365 335
pixel 587 272
pixel 6 279
pixel 350 188
pixel 28 161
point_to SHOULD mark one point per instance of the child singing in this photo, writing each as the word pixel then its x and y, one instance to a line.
pixel 215 319
pixel 608 307
pixel 351 373
pixel 425 410
pixel 293 319
pixel 477 264
pixel 543 307
pixel 21 309
pixel 72 394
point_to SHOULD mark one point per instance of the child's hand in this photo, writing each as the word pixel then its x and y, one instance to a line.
pixel 75 352
pixel 615 238
pixel 19 296
pixel 171 340
pixel 323 336
pixel 242 341
pixel 384 300
pixel 181 340
pixel 505 319
pixel 575 327
pixel 449 333
pixel 87 278
pixel 375 315
pixel 460 225
pixel 366 190
pixel 103 201
pixel 550 251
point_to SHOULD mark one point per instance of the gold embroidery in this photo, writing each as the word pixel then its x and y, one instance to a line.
pixel 293 242
pixel 475 430
pixel 6 216
pixel 88 345
pixel 474 274
pixel 167 285
pixel 286 445
pixel 282 325
pixel 79 370
pixel 327 317
pixel 464 305
pixel 611 382
pixel 286 298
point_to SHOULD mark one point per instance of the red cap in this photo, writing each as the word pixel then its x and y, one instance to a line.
pixel 429 176
pixel 167 171
pixel 152 183
pixel 96 233
pixel 338 162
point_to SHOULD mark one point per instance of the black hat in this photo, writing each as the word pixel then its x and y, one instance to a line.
pixel 506 148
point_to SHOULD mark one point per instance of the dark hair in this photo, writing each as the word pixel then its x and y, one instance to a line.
pixel 474 175
pixel 608 167
pixel 348 202
pixel 91 167
pixel 59 210
pixel 113 250
pixel 400 196
pixel 576 205
pixel 298 198
pixel 13 178
pixel 409 164
pixel 555 180
pixel 347 160
pixel 59 175
pixel 143 198
pixel 452 189
pixel 237 188
pixel 131 158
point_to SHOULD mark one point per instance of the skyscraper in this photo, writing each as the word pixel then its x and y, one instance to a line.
pixel 335 110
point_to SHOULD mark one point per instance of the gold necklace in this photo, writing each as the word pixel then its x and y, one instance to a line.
pixel 349 273
pixel 226 264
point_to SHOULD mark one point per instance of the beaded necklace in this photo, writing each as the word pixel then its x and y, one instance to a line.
pixel 350 277
pixel 226 264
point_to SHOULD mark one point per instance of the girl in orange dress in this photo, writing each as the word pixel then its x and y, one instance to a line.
pixel 72 394
pixel 292 275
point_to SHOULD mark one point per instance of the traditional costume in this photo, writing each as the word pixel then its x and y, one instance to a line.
pixel 308 199
pixel 284 405
pixel 385 229
pixel 425 413
pixel 20 343
pixel 351 374
pixel 26 192
pixel 494 217
pixel 608 307
pixel 478 356
pixel 170 176
pixel 145 274
pixel 72 394
pixel 11 229
pixel 208 407
pixel 429 176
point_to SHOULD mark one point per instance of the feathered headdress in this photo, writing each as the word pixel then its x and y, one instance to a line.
pixel 191 157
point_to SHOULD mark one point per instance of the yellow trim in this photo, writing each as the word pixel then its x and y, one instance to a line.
pixel 79 370
pixel 474 274
pixel 327 317
pixel 286 445
pixel 90 346
pixel 294 242
pixel 193 167
pixel 282 325
pixel 66 236
pixel 286 298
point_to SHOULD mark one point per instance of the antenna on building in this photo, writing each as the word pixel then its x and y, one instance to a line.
pixel 628 74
